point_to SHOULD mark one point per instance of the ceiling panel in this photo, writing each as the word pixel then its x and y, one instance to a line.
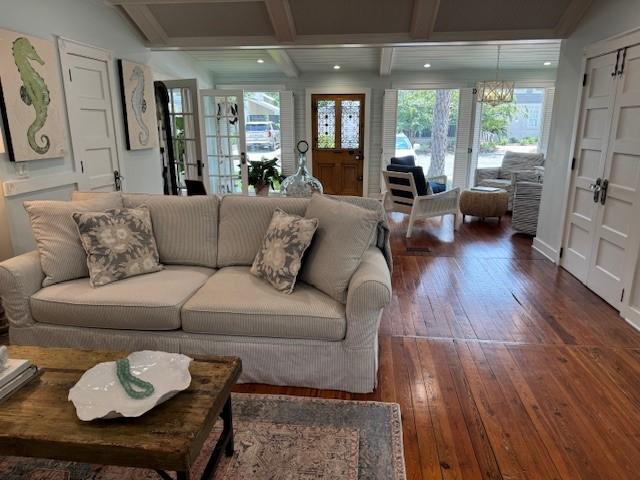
pixel 236 61
pixel 350 59
pixel 487 15
pixel 331 17
pixel 213 19
pixel 458 57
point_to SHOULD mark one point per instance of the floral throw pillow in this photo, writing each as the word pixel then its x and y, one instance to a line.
pixel 280 257
pixel 119 243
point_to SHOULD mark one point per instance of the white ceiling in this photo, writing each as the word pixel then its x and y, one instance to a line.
pixel 368 59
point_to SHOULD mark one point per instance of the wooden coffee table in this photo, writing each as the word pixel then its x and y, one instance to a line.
pixel 39 421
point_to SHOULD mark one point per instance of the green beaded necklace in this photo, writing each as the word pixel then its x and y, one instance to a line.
pixel 128 381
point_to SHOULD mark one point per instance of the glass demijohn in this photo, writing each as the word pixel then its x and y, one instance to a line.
pixel 302 183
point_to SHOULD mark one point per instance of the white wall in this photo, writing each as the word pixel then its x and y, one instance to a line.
pixel 605 18
pixel 95 23
pixel 377 84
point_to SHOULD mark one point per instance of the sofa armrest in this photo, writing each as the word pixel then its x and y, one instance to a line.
pixel 369 292
pixel 486 174
pixel 20 277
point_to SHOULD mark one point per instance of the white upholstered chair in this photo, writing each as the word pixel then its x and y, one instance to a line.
pixel 419 206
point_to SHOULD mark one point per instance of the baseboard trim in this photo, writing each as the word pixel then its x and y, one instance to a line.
pixel 546 250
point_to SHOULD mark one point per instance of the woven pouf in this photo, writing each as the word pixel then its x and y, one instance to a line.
pixel 484 204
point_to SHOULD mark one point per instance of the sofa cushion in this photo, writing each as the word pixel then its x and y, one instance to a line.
pixel 244 222
pixel 344 233
pixel 56 233
pixel 279 258
pixel 407 160
pixel 422 187
pixel 186 228
pixel 146 302
pixel 234 302
pixel 119 244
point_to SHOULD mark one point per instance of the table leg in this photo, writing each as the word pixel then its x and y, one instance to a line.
pixel 224 442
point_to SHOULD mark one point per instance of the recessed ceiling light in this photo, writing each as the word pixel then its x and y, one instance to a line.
pixel 260 60
pixel 546 64
pixel 427 65
pixel 336 67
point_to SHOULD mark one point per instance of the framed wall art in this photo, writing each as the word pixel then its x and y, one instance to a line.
pixel 30 98
pixel 138 104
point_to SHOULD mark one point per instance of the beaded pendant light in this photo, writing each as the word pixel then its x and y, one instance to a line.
pixel 495 92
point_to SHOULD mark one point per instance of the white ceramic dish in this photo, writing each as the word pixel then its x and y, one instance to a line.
pixel 98 393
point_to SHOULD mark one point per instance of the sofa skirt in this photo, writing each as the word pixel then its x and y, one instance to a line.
pixel 273 361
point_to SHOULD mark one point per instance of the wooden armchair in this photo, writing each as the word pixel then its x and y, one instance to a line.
pixel 404 198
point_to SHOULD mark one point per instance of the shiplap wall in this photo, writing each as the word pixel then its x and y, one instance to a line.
pixel 377 84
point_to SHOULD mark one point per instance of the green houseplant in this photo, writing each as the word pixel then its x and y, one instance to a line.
pixel 264 174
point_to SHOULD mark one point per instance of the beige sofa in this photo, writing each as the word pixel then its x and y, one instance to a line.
pixel 205 302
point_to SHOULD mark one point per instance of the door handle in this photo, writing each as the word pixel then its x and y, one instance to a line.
pixel 603 191
pixel 117 180
pixel 596 190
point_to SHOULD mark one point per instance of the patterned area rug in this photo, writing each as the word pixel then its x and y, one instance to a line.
pixel 276 437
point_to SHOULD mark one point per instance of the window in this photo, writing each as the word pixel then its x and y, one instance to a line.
pixel 515 127
pixel 426 128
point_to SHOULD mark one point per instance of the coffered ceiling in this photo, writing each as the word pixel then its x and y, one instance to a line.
pixel 294 36
pixel 190 24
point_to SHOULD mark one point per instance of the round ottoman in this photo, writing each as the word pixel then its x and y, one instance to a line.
pixel 484 204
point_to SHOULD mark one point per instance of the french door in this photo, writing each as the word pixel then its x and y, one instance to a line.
pixel 225 168
pixel 603 215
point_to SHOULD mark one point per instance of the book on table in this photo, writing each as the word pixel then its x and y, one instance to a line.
pixel 14 375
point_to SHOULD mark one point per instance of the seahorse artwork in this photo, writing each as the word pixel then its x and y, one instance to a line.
pixel 139 104
pixel 33 92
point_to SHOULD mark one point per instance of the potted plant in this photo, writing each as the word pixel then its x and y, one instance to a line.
pixel 264 174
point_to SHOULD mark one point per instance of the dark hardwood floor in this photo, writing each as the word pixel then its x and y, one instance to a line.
pixel 505 367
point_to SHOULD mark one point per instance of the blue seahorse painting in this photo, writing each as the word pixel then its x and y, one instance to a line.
pixel 33 92
pixel 139 104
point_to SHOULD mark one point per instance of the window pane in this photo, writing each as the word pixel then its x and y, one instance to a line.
pixel 515 127
pixel 176 94
pixel 326 124
pixel 350 127
pixel 427 123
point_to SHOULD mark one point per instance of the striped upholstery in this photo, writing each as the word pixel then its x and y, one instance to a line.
pixel 344 233
pixel 244 222
pixel 186 228
pixel 349 365
pixel 20 277
pixel 145 302
pixel 56 234
pixel 222 307
pixel 526 206
pixel 344 358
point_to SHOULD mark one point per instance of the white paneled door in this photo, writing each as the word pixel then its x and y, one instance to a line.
pixel 89 88
pixel 602 229
pixel 224 141
pixel 619 214
pixel 590 153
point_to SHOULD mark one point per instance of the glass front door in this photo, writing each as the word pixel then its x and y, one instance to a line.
pixel 224 141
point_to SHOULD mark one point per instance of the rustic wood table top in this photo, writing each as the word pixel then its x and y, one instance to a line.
pixel 39 421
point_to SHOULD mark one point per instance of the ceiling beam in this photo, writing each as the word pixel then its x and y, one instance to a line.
pixel 571 17
pixel 281 19
pixel 162 2
pixel 147 23
pixel 423 18
pixel 285 62
pixel 386 60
